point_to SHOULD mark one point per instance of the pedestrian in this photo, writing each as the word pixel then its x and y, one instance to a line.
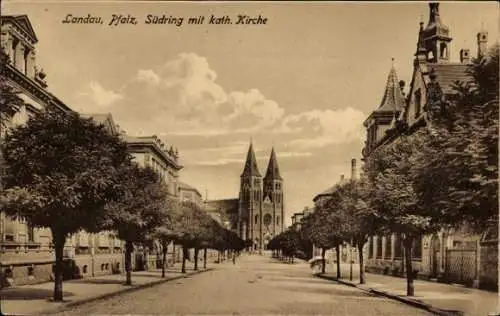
pixel 234 258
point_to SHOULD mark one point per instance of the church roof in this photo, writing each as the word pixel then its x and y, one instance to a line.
pixel 393 99
pixel 273 171
pixel 447 74
pixel 251 168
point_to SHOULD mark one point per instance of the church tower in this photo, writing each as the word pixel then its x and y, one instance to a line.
pixel 436 37
pixel 250 199
pixel 272 205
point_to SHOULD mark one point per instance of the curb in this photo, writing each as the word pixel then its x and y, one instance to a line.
pixel 409 301
pixel 125 290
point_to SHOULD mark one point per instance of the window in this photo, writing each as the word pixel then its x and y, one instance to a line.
pixel 31 233
pixel 379 247
pixel 256 219
pixel 85 269
pixel 8 274
pixel 417 248
pixel 418 103
pixel 277 220
pixel 444 50
pixel 103 266
pixel 398 252
pixel 388 249
pixel 31 271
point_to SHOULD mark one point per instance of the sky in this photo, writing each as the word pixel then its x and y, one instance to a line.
pixel 303 82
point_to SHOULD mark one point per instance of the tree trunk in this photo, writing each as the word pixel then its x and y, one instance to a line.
pixel 204 258
pixel 323 261
pixel 184 257
pixel 164 259
pixel 59 241
pixel 337 248
pixel 129 247
pixel 196 250
pixel 361 264
pixel 410 289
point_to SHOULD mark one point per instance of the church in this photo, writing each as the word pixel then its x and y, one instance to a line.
pixel 257 215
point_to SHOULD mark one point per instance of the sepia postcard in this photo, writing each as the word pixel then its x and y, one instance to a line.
pixel 249 157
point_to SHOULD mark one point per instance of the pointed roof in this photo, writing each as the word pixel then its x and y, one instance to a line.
pixel 421 41
pixel 251 168
pixel 393 99
pixel 273 171
pixel 436 28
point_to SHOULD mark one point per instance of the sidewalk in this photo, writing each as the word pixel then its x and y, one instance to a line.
pixel 35 299
pixel 439 298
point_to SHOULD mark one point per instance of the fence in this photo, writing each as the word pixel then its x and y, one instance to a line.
pixel 460 265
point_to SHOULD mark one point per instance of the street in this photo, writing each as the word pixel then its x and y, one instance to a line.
pixel 255 285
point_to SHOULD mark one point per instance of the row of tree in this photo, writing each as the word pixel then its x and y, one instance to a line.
pixel 442 176
pixel 67 173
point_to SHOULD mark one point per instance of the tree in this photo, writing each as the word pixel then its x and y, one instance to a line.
pixel 139 210
pixel 165 232
pixel 457 170
pixel 60 172
pixel 355 219
pixel 392 194
pixel 322 233
pixel 190 225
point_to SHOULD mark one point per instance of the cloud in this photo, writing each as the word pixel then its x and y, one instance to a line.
pixel 325 127
pixel 182 97
pixel 99 96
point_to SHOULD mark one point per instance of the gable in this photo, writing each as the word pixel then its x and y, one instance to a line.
pixel 418 86
pixel 23 23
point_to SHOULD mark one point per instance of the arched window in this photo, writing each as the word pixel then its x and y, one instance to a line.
pixel 443 50
pixel 85 269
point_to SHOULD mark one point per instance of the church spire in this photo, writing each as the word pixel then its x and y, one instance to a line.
pixel 251 168
pixel 393 99
pixel 273 172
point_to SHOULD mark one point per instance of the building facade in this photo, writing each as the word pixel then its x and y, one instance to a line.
pixel 258 213
pixel 453 254
pixel 26 253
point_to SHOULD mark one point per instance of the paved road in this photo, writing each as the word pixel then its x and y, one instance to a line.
pixel 256 285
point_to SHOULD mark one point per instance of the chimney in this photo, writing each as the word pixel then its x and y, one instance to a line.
pixel 482 40
pixel 464 56
pixel 353 169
